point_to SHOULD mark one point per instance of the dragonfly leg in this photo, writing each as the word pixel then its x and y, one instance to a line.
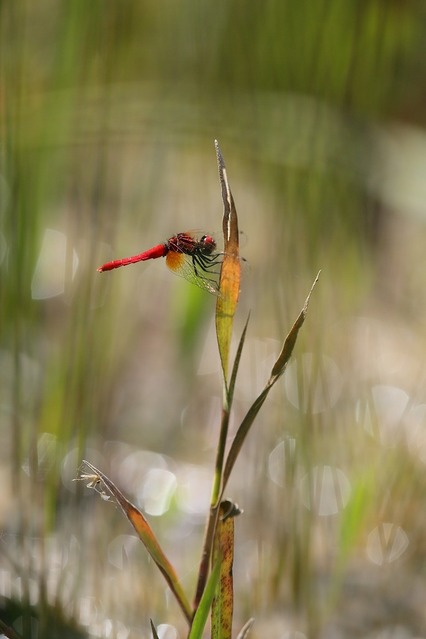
pixel 204 264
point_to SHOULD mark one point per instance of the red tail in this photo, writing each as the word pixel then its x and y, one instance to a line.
pixel 151 254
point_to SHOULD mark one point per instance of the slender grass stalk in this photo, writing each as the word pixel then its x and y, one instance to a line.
pixel 229 287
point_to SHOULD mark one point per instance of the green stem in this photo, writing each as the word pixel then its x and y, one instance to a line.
pixel 214 504
pixel 203 572
pixel 220 455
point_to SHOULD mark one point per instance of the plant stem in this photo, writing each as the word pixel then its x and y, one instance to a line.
pixel 206 555
pixel 214 504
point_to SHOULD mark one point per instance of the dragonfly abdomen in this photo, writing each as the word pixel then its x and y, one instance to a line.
pixel 151 254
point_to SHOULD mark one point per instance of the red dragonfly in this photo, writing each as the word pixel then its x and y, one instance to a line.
pixel 191 256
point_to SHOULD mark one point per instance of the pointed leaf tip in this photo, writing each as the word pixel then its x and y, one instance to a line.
pixel 254 409
pixel 291 338
pixel 230 272
pixel 146 535
pixel 246 629
pixel 153 630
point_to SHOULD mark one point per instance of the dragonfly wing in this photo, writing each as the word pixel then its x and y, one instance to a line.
pixel 184 266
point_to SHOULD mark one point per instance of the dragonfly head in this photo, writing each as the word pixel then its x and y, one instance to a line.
pixel 208 244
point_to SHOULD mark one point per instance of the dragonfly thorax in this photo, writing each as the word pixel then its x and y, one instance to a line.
pixel 191 245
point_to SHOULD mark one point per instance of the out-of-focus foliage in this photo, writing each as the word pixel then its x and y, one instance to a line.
pixel 108 112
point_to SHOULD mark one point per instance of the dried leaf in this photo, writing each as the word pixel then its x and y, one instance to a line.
pixel 147 536
pixel 230 273
pixel 223 602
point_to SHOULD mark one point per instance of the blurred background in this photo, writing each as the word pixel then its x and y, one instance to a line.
pixel 108 114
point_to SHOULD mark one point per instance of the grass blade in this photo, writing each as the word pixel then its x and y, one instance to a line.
pixel 229 288
pixel 8 631
pixel 230 272
pixel 241 434
pixel 277 371
pixel 147 536
pixel 153 630
pixel 223 602
pixel 291 338
pixel 203 609
pixel 245 629
pixel 237 363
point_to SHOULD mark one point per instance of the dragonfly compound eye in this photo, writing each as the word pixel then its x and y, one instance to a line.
pixel 208 244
